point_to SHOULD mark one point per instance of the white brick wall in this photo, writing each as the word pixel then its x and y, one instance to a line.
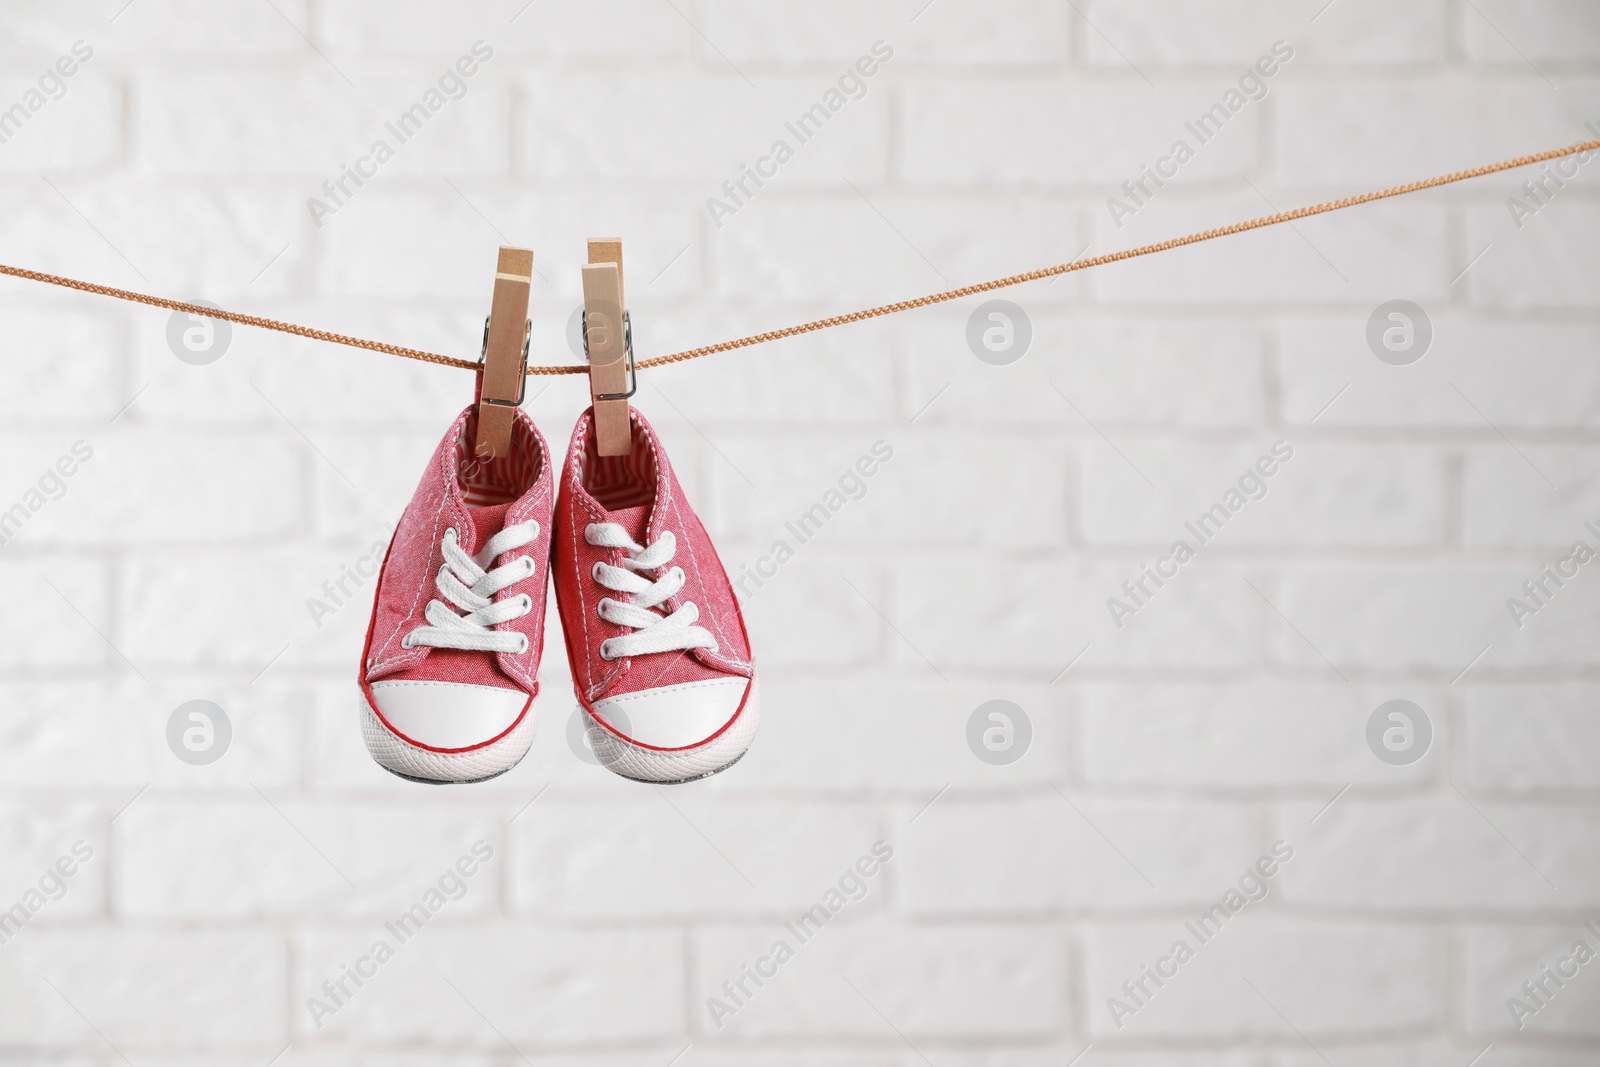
pixel 1167 755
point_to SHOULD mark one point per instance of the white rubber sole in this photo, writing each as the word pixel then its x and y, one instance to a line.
pixel 415 764
pixel 652 765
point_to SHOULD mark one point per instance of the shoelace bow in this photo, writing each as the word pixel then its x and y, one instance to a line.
pixel 464 582
pixel 652 631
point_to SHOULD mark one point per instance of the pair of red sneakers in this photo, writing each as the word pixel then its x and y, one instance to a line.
pixel 660 659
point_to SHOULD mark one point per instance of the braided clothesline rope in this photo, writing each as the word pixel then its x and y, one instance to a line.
pixel 817 324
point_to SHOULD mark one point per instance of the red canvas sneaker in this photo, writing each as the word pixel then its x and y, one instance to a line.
pixel 450 668
pixel 660 658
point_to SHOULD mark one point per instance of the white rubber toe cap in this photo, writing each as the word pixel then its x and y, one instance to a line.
pixel 674 716
pixel 448 716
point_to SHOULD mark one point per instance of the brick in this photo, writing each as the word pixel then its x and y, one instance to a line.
pixel 180 989
pixel 808 615
pixel 1437 854
pixel 713 1057
pixel 76 129
pixel 1237 33
pixel 45 477
pixel 186 242
pixel 1246 735
pixel 248 860
pixel 1016 497
pixel 112 735
pixel 59 627
pixel 1516 34
pixel 197 243
pixel 778 479
pixel 835 377
pixel 1102 136
pixel 901 731
pixel 1066 850
pixel 230 27
pixel 645 859
pixel 664 126
pixel 1552 384
pixel 1428 129
pixel 1365 258
pixel 1149 1058
pixel 372 245
pixel 1012 32
pixel 334 1058
pixel 1200 730
pixel 917 244
pixel 1324 494
pixel 1506 501
pixel 59 734
pixel 165 620
pixel 1498 962
pixel 247 122
pixel 42 218
pixel 34 842
pixel 1439 1052
pixel 1432 619
pixel 937 982
pixel 1543 265
pixel 1531 738
pixel 1118 372
pixel 384 470
pixel 53 351
pixel 989 616
pixel 536 988
pixel 309 382
pixel 1383 970
pixel 41 27
pixel 566 29
pixel 140 488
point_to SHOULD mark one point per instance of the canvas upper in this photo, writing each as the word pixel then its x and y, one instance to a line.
pixel 441 700
pixel 664 701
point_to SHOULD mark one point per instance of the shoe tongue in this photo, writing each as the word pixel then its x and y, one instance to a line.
pixel 633 520
pixel 486 522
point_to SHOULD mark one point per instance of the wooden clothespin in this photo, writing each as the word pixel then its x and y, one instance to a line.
pixel 506 333
pixel 608 344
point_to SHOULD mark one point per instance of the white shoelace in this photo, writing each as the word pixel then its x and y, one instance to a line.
pixel 464 583
pixel 652 632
